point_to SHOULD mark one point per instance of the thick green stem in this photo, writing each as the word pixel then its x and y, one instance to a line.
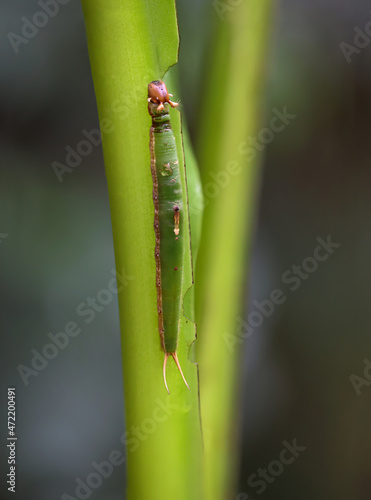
pixel 132 42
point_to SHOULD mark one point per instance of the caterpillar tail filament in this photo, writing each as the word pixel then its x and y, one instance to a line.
pixel 175 357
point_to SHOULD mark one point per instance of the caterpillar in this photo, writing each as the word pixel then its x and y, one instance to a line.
pixel 168 221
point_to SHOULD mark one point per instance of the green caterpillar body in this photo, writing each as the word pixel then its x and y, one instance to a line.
pixel 169 221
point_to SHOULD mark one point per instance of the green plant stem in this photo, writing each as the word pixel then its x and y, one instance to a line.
pixel 132 42
pixel 231 114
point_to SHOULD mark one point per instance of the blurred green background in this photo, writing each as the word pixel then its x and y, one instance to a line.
pixel 295 378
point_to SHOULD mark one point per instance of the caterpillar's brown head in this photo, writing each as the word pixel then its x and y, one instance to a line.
pixel 158 94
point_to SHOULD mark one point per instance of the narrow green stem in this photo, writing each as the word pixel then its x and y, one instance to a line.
pixel 231 182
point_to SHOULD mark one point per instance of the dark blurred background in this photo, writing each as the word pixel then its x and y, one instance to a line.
pixel 301 365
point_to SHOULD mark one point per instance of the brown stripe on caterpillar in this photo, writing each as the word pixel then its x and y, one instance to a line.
pixel 176 219
pixel 156 225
